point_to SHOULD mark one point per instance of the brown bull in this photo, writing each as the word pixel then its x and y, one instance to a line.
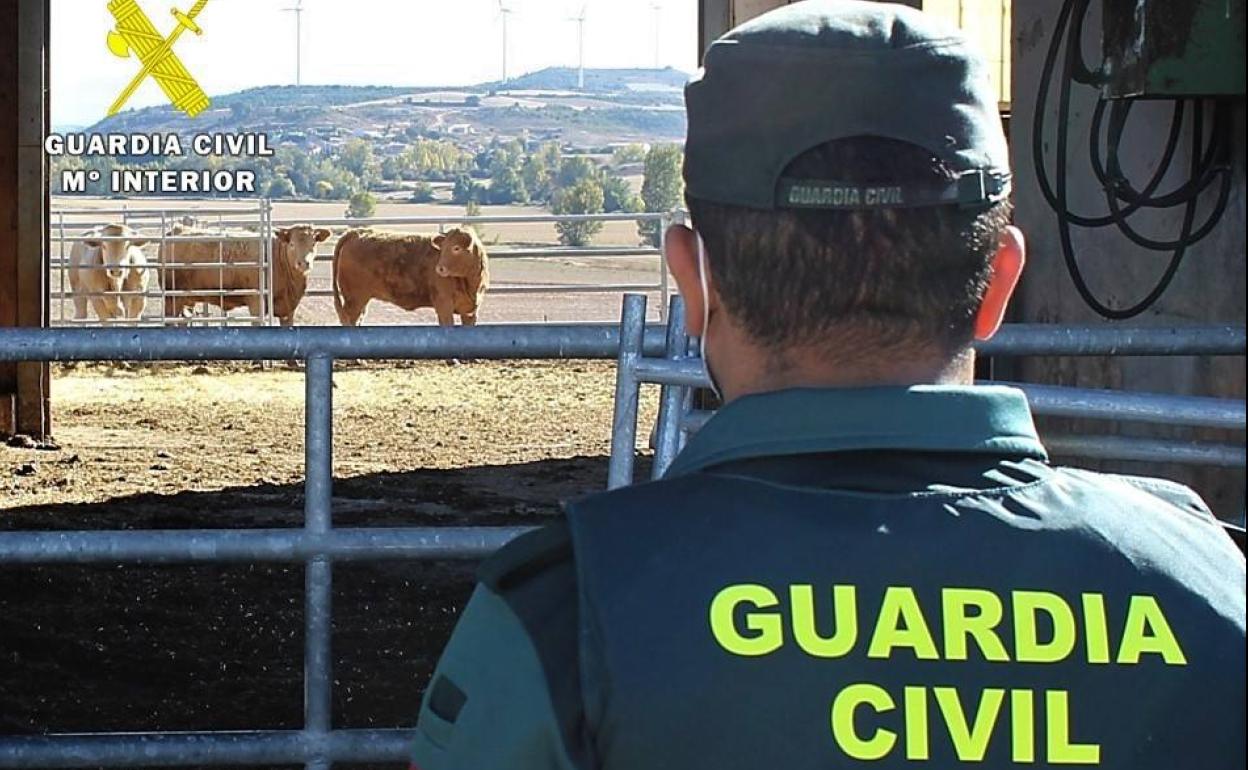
pixel 449 273
pixel 294 249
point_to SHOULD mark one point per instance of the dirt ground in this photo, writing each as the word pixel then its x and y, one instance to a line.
pixel 220 647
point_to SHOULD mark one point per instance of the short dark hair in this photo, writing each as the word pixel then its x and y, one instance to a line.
pixel 892 278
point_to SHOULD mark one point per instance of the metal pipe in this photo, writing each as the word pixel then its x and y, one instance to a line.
pixel 687 372
pixel 153 213
pixel 318 450
pixel 318 576
pixel 253 545
pixel 506 219
pixel 180 266
pixel 1147 450
pixel 208 238
pixel 627 393
pixel 1050 340
pixel 1161 409
pixel 672 399
pixel 565 289
pixel 529 341
pixel 550 253
pixel 206 748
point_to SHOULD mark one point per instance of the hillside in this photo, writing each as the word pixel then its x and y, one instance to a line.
pixel 600 81
pixel 626 105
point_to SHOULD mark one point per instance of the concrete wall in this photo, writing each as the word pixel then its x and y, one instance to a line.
pixel 1209 287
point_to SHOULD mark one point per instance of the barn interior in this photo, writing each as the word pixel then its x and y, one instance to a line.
pixel 1089 134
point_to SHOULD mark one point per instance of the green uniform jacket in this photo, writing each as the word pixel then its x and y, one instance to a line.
pixel 883 578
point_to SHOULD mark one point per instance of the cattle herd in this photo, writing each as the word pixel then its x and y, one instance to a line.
pixel 109 272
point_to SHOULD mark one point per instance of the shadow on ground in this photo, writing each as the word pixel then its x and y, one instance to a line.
pixel 137 648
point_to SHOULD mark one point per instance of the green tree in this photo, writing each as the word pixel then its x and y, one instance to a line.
pixel 618 196
pixel 506 187
pixel 421 193
pixel 362 205
pixel 392 168
pixel 357 157
pixel 537 178
pixel 585 197
pixel 465 190
pixel 629 153
pixel 662 189
pixel 281 187
pixel 576 169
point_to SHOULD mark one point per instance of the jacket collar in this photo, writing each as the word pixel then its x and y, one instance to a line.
pixel 989 420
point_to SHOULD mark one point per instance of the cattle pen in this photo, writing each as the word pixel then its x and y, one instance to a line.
pixel 255 221
pixel 643 353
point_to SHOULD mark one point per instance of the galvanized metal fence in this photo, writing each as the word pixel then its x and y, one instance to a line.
pixel 70 226
pixel 165 280
pixel 680 371
pixel 661 284
pixel 318 544
pixel 644 354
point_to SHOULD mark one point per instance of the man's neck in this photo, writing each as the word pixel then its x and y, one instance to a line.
pixel 765 371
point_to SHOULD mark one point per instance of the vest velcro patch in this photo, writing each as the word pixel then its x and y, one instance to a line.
pixel 446 700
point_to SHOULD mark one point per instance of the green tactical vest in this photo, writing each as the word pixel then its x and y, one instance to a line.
pixel 795 594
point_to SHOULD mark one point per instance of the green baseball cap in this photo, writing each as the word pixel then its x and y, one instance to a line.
pixel 821 70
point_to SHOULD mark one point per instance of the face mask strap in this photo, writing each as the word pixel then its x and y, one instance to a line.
pixel 706 316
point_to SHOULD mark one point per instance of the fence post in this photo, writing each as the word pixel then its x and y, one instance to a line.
pixel 268 310
pixel 674 398
pixel 63 290
pixel 318 576
pixel 665 290
pixel 627 392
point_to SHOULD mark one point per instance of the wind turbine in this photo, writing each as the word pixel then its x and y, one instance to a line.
pixel 298 12
pixel 505 12
pixel 579 19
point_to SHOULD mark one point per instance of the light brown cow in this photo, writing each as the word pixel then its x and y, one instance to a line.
pixel 96 267
pixel 294 249
pixel 449 273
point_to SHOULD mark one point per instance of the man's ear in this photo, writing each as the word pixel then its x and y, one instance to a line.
pixel 681 244
pixel 1007 268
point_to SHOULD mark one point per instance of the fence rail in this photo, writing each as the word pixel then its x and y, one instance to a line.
pixel 679 372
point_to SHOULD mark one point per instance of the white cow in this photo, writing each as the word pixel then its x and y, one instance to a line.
pixel 96 267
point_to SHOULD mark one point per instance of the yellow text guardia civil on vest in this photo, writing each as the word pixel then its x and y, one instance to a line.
pixel 748 620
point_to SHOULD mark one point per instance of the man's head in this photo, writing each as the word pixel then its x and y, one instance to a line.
pixel 847 171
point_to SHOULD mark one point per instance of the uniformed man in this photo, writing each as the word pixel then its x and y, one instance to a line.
pixel 862 560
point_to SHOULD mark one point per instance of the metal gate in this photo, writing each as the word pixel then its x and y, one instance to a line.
pixel 318 544
pixel 158 281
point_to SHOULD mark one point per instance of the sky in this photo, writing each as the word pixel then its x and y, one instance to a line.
pixel 248 43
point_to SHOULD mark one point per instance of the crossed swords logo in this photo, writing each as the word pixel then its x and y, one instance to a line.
pixel 136 33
